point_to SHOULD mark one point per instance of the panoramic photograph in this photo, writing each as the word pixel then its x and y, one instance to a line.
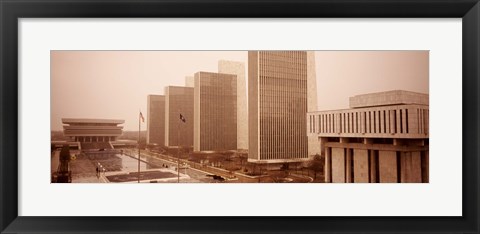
pixel 272 116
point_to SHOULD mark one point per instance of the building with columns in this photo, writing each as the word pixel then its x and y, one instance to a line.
pixel 382 138
pixel 92 133
pixel 92 130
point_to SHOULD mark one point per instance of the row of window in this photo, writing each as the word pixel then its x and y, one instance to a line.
pixel 393 121
pixel 282 87
pixel 94 138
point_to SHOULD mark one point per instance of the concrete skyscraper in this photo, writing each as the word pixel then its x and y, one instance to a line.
pixel 238 69
pixel 156 119
pixel 215 111
pixel 281 89
pixel 178 101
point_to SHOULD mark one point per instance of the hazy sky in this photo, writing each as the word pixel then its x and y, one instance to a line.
pixel 115 84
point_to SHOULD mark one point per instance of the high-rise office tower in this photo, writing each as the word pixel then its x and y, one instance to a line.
pixel 238 69
pixel 156 119
pixel 215 111
pixel 281 89
pixel 178 101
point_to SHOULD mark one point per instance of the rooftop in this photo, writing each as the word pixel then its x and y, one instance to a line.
pixel 393 97
pixel 92 121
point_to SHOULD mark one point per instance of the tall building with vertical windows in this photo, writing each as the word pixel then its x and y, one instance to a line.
pixel 215 112
pixel 238 69
pixel 382 138
pixel 156 120
pixel 178 101
pixel 281 89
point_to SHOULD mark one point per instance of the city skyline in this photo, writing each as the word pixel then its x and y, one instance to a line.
pixel 98 80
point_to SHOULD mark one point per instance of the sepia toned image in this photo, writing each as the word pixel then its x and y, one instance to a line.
pixel 239 116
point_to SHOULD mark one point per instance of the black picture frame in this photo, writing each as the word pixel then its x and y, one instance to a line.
pixel 11 11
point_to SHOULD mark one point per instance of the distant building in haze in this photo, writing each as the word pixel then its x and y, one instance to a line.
pixel 238 69
pixel 189 81
pixel 156 120
pixel 178 101
pixel 215 111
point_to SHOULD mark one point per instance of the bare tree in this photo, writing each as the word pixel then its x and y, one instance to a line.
pixel 316 165
pixel 216 159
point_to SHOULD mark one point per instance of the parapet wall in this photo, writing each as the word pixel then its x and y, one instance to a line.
pixel 395 97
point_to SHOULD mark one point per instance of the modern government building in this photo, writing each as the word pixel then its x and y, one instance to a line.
pixel 156 120
pixel 215 112
pixel 178 101
pixel 238 69
pixel 279 96
pixel 92 133
pixel 210 103
pixel 382 138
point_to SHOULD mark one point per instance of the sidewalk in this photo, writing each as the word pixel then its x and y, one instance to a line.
pixel 90 179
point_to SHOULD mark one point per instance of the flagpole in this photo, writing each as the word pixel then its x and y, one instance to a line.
pixel 138 145
pixel 178 150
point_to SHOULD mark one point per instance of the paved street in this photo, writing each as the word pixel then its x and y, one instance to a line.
pixel 195 175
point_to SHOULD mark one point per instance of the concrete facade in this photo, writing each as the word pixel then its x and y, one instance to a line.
pixel 156 119
pixel 386 136
pixel 312 105
pixel 360 166
pixel 411 171
pixel 338 161
pixel 179 100
pixel 388 98
pixel 215 116
pixel 238 69
pixel 277 105
pixel 388 166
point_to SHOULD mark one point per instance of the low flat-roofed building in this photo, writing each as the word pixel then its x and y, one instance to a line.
pixel 383 138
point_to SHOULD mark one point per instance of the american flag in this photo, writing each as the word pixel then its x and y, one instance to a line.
pixel 141 117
